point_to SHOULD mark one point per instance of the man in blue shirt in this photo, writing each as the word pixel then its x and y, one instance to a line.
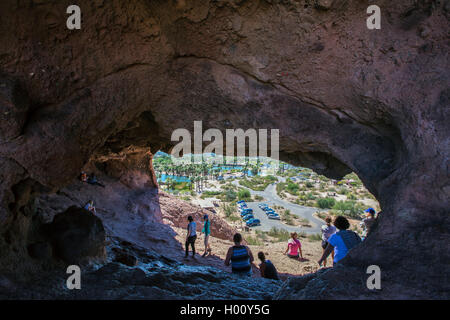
pixel 341 242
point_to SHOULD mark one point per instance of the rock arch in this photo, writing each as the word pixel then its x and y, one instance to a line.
pixel 345 99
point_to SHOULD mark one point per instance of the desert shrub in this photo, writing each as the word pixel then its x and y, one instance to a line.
pixel 228 209
pixel 326 203
pixel 292 188
pixel 244 194
pixel 230 195
pixel 253 241
pixel 352 196
pixel 233 218
pixel 349 208
pixel 211 193
pixel 279 234
pixel 315 237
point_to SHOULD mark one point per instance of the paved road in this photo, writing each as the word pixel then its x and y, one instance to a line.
pixel 270 194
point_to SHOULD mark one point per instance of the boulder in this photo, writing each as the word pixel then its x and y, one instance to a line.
pixel 77 235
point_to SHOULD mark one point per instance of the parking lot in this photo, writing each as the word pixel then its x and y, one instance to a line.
pixel 267 224
pixel 271 199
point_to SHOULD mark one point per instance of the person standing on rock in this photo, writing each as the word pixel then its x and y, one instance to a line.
pixel 207 231
pixel 368 222
pixel 241 258
pixel 342 241
pixel 191 236
pixel 327 231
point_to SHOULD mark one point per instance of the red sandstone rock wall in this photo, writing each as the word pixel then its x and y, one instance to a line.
pixel 345 98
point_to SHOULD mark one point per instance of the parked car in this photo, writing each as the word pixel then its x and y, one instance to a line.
pixel 248 217
pixel 245 211
pixel 243 214
pixel 267 208
pixel 274 216
pixel 271 211
pixel 262 205
pixel 253 222
pixel 241 201
pixel 242 209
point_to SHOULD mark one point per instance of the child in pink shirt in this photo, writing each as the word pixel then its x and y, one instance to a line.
pixel 294 248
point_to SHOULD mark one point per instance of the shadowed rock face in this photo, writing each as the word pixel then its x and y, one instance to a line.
pixel 345 99
pixel 77 234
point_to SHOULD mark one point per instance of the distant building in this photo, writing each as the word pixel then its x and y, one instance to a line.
pixel 208 204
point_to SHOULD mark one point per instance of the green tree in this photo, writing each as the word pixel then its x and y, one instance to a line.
pixel 326 203
pixel 244 194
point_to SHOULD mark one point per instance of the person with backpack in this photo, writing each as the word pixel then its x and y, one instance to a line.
pixel 191 236
pixel 341 242
pixel 267 268
pixel 206 231
pixel 241 258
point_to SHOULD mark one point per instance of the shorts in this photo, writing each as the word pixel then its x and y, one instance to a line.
pixel 243 274
pixel 324 244
pixel 293 257
pixel 206 239
pixel 191 239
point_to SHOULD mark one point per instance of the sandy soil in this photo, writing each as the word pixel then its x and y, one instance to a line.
pixel 312 252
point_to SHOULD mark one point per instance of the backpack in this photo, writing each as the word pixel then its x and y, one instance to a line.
pixel 350 238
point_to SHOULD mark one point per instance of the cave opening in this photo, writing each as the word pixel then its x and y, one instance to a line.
pixel 105 98
pixel 302 200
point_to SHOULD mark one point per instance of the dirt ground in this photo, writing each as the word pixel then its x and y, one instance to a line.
pixel 312 251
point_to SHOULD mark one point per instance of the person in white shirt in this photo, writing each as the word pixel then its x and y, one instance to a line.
pixel 327 231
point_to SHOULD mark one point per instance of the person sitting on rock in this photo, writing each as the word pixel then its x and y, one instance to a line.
pixel 207 231
pixel 267 268
pixel 241 258
pixel 90 207
pixel 83 176
pixel 341 242
pixel 327 231
pixel 93 180
pixel 191 236
pixel 368 222
pixel 294 248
